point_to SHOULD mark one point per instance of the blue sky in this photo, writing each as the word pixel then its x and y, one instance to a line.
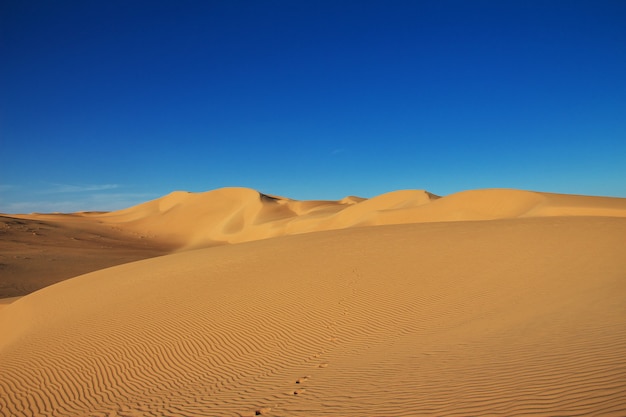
pixel 106 104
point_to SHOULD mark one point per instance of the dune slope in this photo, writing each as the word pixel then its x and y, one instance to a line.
pixel 234 215
pixel 508 317
pixel 38 250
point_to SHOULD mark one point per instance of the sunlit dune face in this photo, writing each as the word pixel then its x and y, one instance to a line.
pixel 515 302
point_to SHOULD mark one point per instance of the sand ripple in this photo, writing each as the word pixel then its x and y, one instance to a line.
pixel 499 318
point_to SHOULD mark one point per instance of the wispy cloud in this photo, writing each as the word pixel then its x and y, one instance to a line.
pixel 21 207
pixel 91 202
pixel 6 187
pixel 71 188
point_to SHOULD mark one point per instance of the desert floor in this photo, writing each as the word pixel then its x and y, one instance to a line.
pixel 482 303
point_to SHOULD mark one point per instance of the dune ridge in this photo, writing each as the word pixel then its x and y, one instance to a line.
pixel 37 250
pixel 234 215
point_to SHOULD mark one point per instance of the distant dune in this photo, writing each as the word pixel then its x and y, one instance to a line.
pixel 483 303
pixel 234 215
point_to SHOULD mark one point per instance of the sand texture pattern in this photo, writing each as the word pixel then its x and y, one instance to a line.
pixel 484 303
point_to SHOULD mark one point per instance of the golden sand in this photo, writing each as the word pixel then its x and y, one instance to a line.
pixel 486 302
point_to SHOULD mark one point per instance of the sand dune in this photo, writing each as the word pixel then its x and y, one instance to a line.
pixel 234 215
pixel 228 215
pixel 482 303
pixel 508 317
pixel 38 250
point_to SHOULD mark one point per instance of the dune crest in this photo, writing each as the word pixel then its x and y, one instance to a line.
pixel 37 250
pixel 234 215
pixel 227 215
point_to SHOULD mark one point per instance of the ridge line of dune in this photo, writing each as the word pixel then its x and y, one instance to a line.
pixel 234 215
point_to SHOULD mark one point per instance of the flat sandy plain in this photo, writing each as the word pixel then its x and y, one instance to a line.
pixel 482 303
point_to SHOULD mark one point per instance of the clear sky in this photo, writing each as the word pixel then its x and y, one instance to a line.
pixel 106 104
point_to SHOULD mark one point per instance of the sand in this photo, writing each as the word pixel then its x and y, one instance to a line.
pixel 39 250
pixel 487 302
